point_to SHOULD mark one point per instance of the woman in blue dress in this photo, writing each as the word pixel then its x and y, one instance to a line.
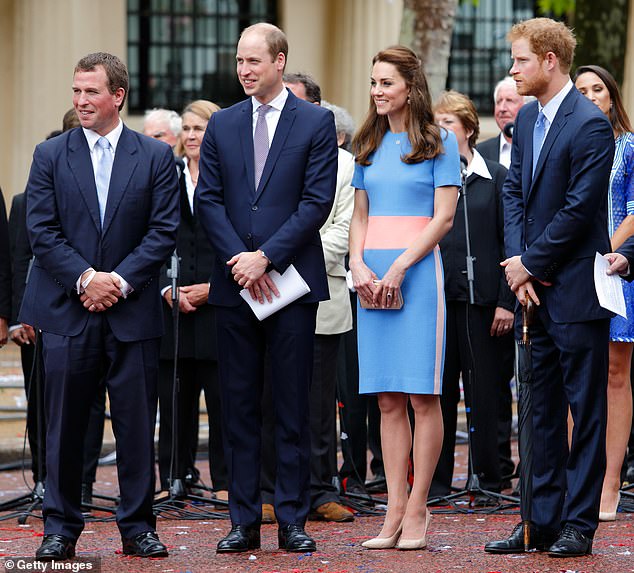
pixel 599 86
pixel 406 179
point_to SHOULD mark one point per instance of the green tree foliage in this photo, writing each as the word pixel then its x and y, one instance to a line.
pixel 601 30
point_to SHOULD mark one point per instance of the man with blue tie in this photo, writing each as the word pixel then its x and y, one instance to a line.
pixel 555 210
pixel 102 214
pixel 268 170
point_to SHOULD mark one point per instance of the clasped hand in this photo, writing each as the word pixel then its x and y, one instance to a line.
pixel 374 292
pixel 249 271
pixel 520 280
pixel 101 293
pixel 189 297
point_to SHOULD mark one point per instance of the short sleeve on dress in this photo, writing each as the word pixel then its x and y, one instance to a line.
pixel 447 164
pixel 357 178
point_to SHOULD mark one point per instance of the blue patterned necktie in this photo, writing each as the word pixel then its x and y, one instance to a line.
pixel 260 143
pixel 538 137
pixel 102 177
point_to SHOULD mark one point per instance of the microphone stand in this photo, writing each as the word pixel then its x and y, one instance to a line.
pixel 178 492
pixel 472 487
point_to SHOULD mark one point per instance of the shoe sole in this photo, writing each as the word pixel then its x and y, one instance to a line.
pixel 157 554
pixel 568 554
pixel 250 548
pixel 48 558
pixel 298 550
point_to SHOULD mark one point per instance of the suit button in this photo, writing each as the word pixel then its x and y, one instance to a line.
pixel 530 220
pixel 249 236
pixel 254 208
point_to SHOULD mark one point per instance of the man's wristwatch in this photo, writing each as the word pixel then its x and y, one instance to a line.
pixel 261 253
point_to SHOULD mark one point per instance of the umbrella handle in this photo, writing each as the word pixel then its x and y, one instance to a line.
pixel 527 312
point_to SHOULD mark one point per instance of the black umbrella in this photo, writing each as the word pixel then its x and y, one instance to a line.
pixel 524 379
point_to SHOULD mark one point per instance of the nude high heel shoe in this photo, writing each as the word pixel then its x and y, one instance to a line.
pixel 410 544
pixel 610 515
pixel 383 542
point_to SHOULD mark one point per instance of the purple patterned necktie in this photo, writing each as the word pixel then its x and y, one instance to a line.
pixel 260 143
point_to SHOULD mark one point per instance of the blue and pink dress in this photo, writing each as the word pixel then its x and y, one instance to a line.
pixel 403 350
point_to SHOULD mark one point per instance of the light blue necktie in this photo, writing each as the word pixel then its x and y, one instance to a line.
pixel 102 177
pixel 538 137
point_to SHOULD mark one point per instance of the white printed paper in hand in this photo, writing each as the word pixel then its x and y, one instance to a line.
pixel 609 287
pixel 290 285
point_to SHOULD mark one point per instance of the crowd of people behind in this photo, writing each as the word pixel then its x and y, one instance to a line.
pixel 401 247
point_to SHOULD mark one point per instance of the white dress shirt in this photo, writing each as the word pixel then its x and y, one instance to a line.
pixel 273 115
pixel 92 137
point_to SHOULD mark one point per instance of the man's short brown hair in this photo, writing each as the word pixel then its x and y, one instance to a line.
pixel 115 69
pixel 545 35
pixel 274 37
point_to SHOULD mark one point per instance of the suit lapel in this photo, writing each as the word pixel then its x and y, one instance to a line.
pixel 287 117
pixel 125 162
pixel 561 118
pixel 80 164
pixel 246 140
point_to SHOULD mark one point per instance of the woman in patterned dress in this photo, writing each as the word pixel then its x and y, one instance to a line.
pixel 406 179
pixel 598 85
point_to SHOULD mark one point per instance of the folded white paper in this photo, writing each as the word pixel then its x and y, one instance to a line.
pixel 609 287
pixel 290 285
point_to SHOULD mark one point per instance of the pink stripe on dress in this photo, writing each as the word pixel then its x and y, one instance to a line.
pixel 393 232
pixel 440 321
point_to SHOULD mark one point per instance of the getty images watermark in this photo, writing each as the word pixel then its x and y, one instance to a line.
pixel 77 565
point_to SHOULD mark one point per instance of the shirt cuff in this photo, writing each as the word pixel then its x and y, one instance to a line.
pixel 165 289
pixel 81 286
pixel 125 287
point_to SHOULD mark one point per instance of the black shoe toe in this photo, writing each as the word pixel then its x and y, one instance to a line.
pixel 514 543
pixel 146 544
pixel 293 538
pixel 241 538
pixel 571 543
pixel 55 548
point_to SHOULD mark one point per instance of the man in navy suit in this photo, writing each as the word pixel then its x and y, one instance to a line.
pixel 268 171
pixel 555 204
pixel 102 214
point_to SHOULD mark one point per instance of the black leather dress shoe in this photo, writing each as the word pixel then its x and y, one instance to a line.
pixel 144 544
pixel 571 543
pixel 293 538
pixel 514 543
pixel 241 538
pixel 55 548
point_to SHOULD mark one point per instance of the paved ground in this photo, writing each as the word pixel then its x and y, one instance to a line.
pixel 455 541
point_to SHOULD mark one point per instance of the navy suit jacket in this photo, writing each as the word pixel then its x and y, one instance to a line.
pixel 138 235
pixel 627 250
pixel 283 216
pixel 557 219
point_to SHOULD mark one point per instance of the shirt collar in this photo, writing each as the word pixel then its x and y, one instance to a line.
pixel 503 142
pixel 113 136
pixel 276 103
pixel 551 108
pixel 478 166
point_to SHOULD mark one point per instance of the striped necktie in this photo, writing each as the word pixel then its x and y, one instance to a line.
pixel 538 137
pixel 260 143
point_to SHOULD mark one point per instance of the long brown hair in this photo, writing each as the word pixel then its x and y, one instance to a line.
pixel 423 133
pixel 617 115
